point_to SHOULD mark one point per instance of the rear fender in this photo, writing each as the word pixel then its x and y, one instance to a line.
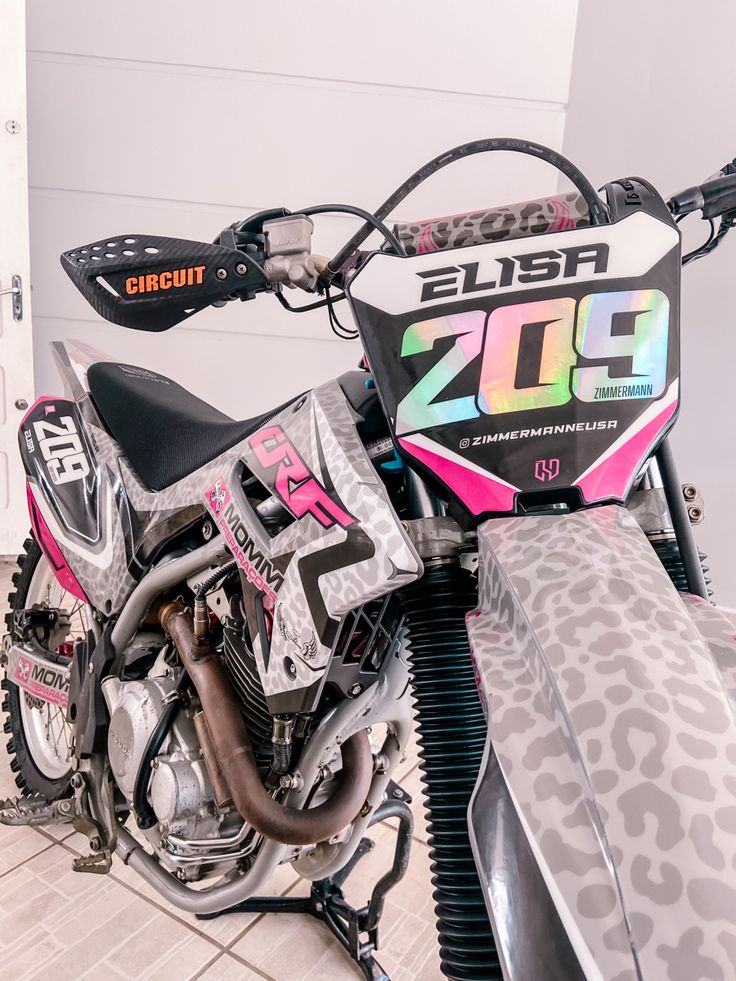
pixel 612 746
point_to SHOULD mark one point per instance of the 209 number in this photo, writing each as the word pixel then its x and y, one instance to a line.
pixel 531 356
pixel 62 450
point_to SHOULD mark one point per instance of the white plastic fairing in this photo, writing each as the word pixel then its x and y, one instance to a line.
pixel 628 248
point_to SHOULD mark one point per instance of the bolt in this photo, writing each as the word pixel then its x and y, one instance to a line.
pixel 291 781
pixel 155 763
pixel 13 127
pixel 221 273
pixel 91 668
pixel 65 806
pixel 695 513
pixel 95 844
pixel 398 793
pixel 241 269
pixel 318 907
pixel 354 690
pixel 21 404
pixel 207 530
pixel 689 492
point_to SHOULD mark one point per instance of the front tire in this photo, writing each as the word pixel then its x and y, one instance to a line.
pixel 40 737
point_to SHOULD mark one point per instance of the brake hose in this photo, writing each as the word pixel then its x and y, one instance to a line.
pixel 598 212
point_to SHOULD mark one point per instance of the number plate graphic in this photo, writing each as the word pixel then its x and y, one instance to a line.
pixel 568 353
pixel 58 458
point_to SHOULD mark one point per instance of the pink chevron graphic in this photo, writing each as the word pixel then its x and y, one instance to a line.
pixel 479 492
pixel 46 540
pixel 612 476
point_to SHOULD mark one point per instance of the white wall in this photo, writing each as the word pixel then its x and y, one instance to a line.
pixel 177 117
pixel 653 95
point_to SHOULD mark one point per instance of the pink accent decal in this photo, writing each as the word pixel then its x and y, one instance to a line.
pixel 25 676
pixel 425 242
pixel 547 469
pixel 612 476
pixel 51 550
pixel 253 563
pixel 478 492
pixel 40 401
pixel 562 221
pixel 295 484
pixel 217 496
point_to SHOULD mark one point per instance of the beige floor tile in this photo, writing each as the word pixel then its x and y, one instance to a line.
pixel 65 925
pixel 227 968
pixel 19 844
pixel 60 832
pixel 286 946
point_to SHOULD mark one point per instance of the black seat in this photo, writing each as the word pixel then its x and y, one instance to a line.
pixel 165 432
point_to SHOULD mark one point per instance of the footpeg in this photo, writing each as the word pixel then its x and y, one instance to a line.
pixel 98 863
pixel 20 811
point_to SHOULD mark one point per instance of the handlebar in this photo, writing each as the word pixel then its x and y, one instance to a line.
pixel 714 197
pixel 277 244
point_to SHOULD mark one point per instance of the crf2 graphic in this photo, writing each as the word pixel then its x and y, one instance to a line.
pixel 541 354
pixel 546 469
pixel 62 450
pixel 295 484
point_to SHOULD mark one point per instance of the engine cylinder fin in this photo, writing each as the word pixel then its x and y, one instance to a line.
pixel 243 674
pixel 451 735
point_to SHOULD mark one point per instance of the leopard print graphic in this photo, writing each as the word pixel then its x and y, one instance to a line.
pixel 611 714
pixel 321 427
pixel 554 214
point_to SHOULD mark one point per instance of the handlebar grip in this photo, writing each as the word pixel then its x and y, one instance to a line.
pixel 714 197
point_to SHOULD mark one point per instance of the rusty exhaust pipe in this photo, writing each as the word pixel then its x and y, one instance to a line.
pixel 230 743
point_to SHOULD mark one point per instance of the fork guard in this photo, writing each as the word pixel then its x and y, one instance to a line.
pixel 609 774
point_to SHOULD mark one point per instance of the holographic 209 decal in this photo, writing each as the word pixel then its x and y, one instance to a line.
pixel 418 410
pixel 632 324
pixel 541 354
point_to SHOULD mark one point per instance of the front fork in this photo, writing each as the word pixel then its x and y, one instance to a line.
pixel 666 510
pixel 451 728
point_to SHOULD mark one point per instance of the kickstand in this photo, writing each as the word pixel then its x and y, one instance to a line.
pixel 327 903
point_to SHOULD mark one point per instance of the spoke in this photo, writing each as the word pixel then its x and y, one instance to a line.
pixel 48 731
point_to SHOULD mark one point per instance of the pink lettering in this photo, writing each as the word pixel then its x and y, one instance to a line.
pixel 297 487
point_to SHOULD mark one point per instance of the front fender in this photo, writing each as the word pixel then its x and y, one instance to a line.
pixel 610 762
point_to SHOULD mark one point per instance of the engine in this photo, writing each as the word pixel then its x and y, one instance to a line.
pixel 180 789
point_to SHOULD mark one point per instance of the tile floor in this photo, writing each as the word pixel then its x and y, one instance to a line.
pixel 65 925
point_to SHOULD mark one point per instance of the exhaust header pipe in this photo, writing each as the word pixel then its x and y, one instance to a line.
pixel 231 745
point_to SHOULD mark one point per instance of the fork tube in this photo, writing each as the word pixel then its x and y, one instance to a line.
pixel 680 521
pixel 423 502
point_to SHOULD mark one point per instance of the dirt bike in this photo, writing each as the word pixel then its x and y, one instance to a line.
pixel 213 613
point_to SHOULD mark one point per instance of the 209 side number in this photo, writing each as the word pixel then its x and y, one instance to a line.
pixel 61 447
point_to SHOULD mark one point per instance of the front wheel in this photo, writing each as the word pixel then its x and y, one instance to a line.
pixel 40 737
